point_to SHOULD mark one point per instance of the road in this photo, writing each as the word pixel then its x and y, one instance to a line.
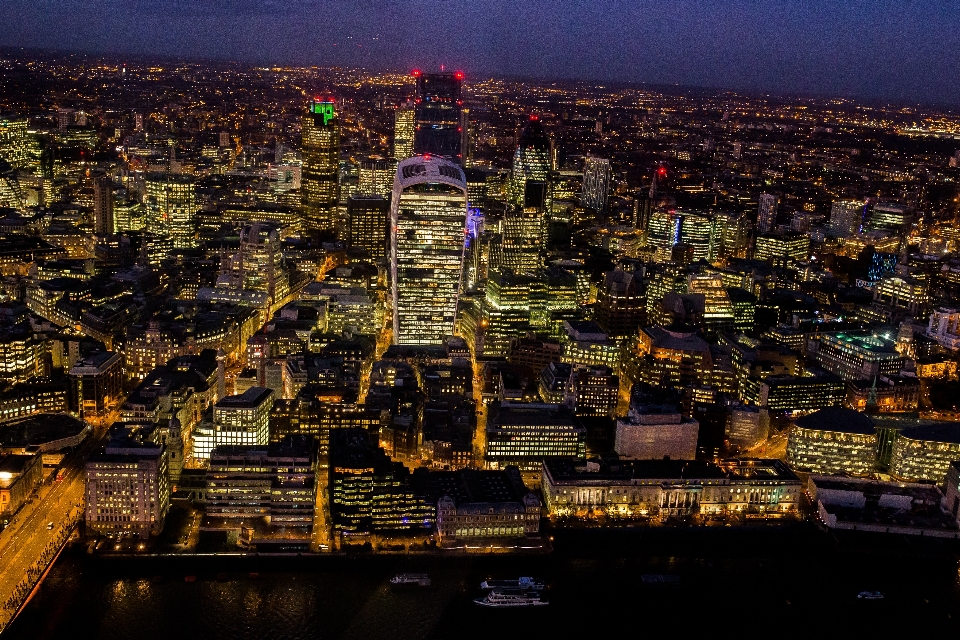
pixel 29 543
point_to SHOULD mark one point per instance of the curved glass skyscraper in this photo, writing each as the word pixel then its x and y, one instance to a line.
pixel 531 161
pixel 428 216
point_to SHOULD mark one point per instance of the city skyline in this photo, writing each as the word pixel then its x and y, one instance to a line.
pixel 882 50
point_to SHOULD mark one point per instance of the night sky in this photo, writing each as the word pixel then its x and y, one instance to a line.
pixel 879 49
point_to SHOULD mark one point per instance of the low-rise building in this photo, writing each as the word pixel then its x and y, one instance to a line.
pixel 98 380
pixel 663 489
pixel 275 483
pixel 883 507
pixel 483 504
pixel 524 434
pixel 652 432
pixel 20 475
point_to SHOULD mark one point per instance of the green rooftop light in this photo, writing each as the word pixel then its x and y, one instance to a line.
pixel 324 109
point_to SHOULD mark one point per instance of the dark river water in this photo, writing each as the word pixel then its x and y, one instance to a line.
pixel 732 582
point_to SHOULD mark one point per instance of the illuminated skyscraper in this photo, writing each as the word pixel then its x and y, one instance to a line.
pixel 321 165
pixel 524 230
pixel 438 115
pixel 13 140
pixel 596 183
pixel 403 128
pixel 375 178
pixel 767 212
pixel 531 160
pixel 428 220
pixel 103 205
pixel 663 231
pixel 172 208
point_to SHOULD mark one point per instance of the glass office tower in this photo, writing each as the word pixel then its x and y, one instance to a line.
pixel 438 115
pixel 428 216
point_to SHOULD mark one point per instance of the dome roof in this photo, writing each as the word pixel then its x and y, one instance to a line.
pixel 534 136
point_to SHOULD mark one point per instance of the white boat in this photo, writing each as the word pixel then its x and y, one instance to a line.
pixel 870 595
pixel 512 598
pixel 520 583
pixel 410 580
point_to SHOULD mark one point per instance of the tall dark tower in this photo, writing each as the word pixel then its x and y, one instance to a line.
pixel 438 128
pixel 321 165
pixel 103 205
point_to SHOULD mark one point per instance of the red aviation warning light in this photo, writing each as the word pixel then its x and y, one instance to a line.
pixel 662 172
pixel 458 75
pixel 534 117
pixel 416 73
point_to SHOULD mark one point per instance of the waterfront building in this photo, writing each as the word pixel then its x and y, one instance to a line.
pixel 897 508
pixel 368 218
pixel 244 419
pixel 438 119
pixel 664 489
pixel 767 212
pixel 98 382
pixel 370 494
pixel 428 221
pixel 833 441
pixel 20 476
pixel 320 179
pixel 925 453
pixel 474 504
pixel 856 355
pixel 275 483
pixel 127 487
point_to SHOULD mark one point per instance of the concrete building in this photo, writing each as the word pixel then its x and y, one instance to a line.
pixel 652 432
pixel 664 489
pixel 474 504
pixel 127 489
pixel 525 434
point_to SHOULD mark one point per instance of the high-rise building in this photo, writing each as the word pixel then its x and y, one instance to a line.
pixel 767 212
pixel 260 261
pixel 172 208
pixel 524 230
pixel 98 381
pixel 596 183
pixel 846 217
pixel 438 118
pixel 531 161
pixel 375 177
pixel 13 140
pixel 782 247
pixel 321 165
pixel 403 129
pixel 428 218
pixel 663 231
pixel 367 222
pixel 890 216
pixel 103 205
